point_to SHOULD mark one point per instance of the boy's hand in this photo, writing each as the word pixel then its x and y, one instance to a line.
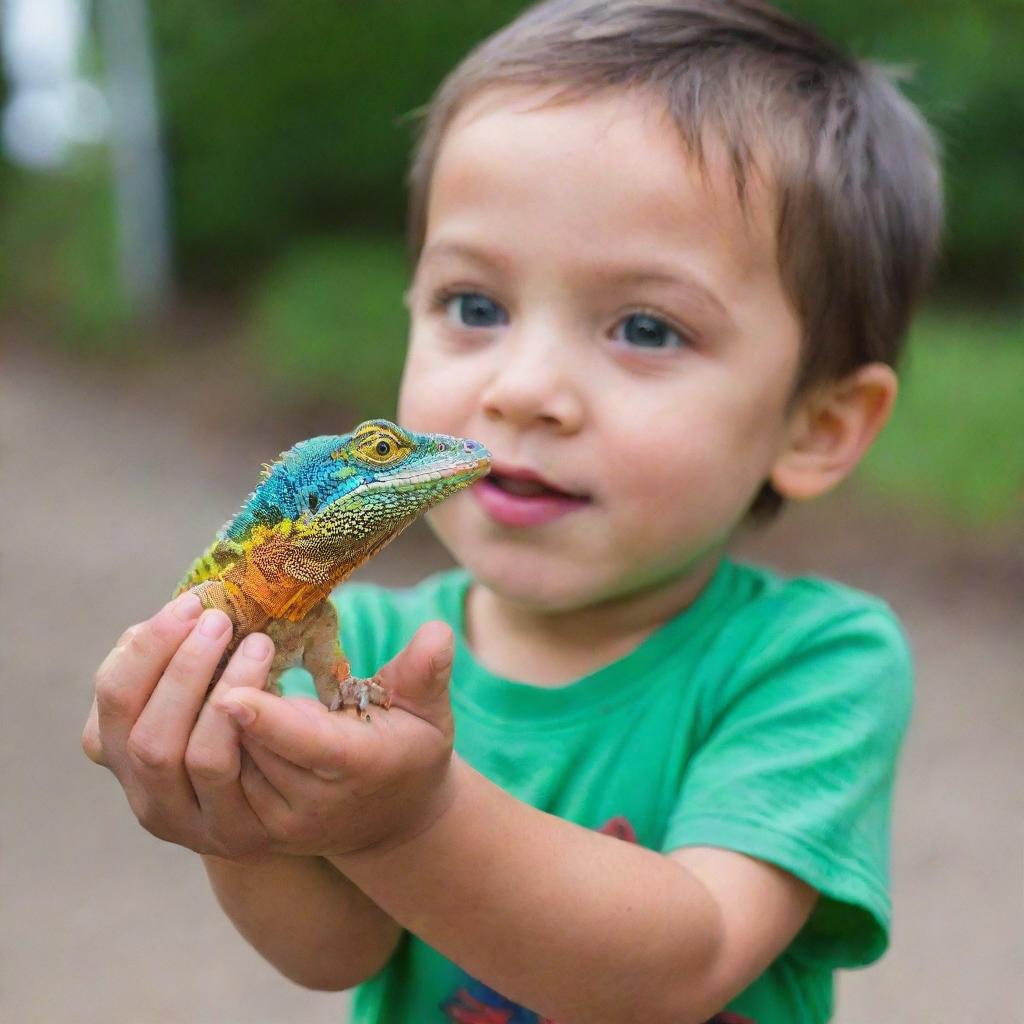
pixel 179 760
pixel 329 784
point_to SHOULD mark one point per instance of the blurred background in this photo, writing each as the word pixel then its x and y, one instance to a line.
pixel 201 209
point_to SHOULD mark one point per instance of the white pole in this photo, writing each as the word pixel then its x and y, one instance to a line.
pixel 139 171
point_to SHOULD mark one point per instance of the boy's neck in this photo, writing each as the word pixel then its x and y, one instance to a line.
pixel 545 648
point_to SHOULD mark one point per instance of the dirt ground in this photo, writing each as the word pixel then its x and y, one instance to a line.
pixel 113 480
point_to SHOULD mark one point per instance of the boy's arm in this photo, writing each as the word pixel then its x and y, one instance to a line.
pixel 304 917
pixel 577 925
pixel 179 763
pixel 571 923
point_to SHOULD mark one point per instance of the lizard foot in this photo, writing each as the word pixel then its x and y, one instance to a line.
pixel 360 693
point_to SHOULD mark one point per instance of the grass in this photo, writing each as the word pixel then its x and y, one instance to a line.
pixel 955 444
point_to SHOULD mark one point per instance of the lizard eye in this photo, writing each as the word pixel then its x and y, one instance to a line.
pixel 380 450
pixel 381 444
pixel 313 500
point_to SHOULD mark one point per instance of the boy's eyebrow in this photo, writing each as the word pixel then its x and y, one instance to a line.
pixel 442 248
pixel 670 279
pixel 610 275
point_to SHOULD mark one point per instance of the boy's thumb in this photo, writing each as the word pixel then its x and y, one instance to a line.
pixel 418 675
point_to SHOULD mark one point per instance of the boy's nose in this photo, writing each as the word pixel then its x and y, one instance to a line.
pixel 533 383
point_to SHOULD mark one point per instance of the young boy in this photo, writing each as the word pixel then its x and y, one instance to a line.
pixel 665 256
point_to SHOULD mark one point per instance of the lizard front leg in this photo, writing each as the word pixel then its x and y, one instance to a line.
pixel 325 661
pixel 245 614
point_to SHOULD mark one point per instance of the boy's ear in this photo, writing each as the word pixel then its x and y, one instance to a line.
pixel 831 429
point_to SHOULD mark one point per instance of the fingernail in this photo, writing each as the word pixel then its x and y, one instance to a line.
pixel 443 658
pixel 241 713
pixel 186 606
pixel 213 623
pixel 256 646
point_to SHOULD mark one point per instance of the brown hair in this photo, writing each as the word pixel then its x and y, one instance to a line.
pixel 853 163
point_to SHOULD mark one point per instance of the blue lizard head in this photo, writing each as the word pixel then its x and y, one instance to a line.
pixel 368 484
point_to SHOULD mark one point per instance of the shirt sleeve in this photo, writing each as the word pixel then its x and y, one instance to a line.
pixel 797 769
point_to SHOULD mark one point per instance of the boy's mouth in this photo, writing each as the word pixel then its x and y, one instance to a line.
pixel 520 497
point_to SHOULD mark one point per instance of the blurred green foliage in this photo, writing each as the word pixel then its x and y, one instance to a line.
pixel 956 439
pixel 965 72
pixel 329 324
pixel 283 120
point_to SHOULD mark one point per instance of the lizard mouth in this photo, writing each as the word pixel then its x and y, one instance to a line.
pixel 469 471
pixel 403 497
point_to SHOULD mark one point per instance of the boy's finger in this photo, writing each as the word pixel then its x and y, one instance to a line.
pixel 229 817
pixel 418 675
pixel 287 778
pixel 129 674
pixel 269 806
pixel 301 731
pixel 91 742
pixel 161 732
pixel 212 757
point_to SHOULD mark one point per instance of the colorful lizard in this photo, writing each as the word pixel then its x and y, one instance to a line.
pixel 322 509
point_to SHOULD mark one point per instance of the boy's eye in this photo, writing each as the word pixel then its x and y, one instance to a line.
pixel 474 310
pixel 647 331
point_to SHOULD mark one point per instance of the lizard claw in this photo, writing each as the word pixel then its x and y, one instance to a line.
pixel 360 693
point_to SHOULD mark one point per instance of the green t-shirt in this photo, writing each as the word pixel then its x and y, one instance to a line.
pixel 765 718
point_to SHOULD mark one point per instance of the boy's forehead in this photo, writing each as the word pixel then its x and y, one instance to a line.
pixel 615 158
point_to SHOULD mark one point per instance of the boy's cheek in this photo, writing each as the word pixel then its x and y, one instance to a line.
pixel 414 410
pixel 427 389
pixel 436 398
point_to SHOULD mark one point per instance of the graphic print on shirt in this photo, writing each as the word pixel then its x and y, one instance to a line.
pixel 476 1003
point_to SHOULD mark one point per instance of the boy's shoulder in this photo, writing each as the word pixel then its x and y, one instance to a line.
pixel 812 640
pixel 804 590
pixel 792 612
pixel 803 606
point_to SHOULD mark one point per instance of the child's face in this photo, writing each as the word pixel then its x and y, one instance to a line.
pixel 600 315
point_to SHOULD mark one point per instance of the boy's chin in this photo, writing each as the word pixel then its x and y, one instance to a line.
pixel 532 597
pixel 546 590
pixel 563 586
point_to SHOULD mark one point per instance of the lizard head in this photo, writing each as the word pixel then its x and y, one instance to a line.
pixel 383 474
pixel 357 490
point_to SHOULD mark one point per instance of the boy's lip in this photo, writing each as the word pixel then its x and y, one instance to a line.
pixel 510 472
pixel 509 508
